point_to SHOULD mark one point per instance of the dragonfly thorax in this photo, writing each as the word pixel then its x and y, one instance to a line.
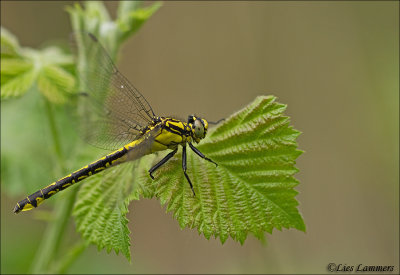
pixel 198 128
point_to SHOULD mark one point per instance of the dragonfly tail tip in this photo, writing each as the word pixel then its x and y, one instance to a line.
pixel 16 209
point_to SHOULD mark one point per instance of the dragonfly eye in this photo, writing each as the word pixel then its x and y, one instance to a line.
pixel 198 128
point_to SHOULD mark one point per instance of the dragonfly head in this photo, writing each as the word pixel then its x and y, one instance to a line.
pixel 199 127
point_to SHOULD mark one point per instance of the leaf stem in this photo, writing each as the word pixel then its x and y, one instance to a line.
pixel 54 135
pixel 47 251
pixel 73 253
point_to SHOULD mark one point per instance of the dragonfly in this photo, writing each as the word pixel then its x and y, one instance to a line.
pixel 120 119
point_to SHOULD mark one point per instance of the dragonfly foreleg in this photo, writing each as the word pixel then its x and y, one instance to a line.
pixel 184 168
pixel 161 162
pixel 200 154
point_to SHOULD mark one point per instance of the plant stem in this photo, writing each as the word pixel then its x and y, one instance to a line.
pixel 70 257
pixel 47 251
pixel 54 135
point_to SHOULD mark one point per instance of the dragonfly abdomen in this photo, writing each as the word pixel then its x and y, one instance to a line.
pixel 33 200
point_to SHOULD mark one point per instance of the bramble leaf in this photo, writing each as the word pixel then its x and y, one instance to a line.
pixel 55 83
pixel 102 204
pixel 251 190
pixel 100 209
pixel 9 43
pixel 25 68
pixel 18 85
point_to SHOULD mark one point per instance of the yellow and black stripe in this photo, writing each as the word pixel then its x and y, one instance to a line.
pixel 33 200
pixel 161 134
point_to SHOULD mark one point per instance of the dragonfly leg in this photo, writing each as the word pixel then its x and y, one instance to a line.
pixel 200 154
pixel 184 168
pixel 161 162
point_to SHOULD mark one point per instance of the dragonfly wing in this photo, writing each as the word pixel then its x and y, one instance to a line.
pixel 114 111
pixel 144 146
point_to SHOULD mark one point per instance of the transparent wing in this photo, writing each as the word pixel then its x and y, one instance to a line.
pixel 114 111
pixel 144 147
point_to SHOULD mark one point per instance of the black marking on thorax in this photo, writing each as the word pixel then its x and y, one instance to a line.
pixel 176 129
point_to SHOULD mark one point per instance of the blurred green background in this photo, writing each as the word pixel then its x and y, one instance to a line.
pixel 335 64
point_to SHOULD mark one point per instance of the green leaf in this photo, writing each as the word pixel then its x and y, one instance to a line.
pixel 55 83
pixel 101 208
pixel 13 66
pixel 9 43
pixel 102 205
pixel 20 83
pixel 17 75
pixel 131 16
pixel 251 190
pixel 48 68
